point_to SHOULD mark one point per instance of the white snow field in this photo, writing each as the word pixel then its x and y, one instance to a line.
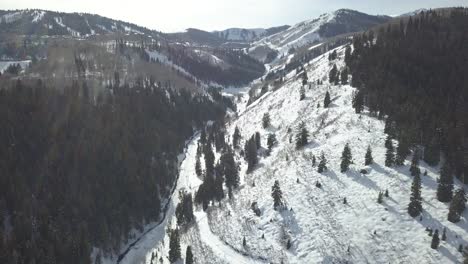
pixel 321 228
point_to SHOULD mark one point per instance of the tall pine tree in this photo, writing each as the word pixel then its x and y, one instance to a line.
pixel 457 206
pixel 277 195
pixel 415 205
pixel 302 136
pixel 322 164
pixel 327 100
pixel 174 246
pixel 189 255
pixel 445 187
pixel 346 158
pixel 368 159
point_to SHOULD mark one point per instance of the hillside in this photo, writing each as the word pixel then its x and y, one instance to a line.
pixel 315 30
pixel 319 226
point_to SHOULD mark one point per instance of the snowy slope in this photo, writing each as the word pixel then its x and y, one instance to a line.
pixel 323 229
pixel 241 34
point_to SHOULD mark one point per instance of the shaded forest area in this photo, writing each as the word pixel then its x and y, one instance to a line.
pixel 77 172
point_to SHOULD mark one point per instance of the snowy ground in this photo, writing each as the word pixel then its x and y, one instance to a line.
pixel 322 229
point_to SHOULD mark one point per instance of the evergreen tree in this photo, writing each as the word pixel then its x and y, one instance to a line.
pixel 174 246
pixel 258 140
pixel 184 210
pixel 230 169
pixel 198 169
pixel 435 240
pixel 189 255
pixel 305 78
pixel 389 156
pixel 209 160
pixel 347 55
pixel 444 234
pixel 457 206
pixel 332 76
pixel 266 120
pixel 244 242
pixel 402 152
pixel 346 158
pixel 414 169
pixel 327 101
pixel 302 93
pixel 445 187
pixel 358 102
pixel 314 161
pixel 271 142
pixel 386 193
pixel 380 198
pixel 250 151
pixel 369 159
pixel 344 76
pixel 302 137
pixel 322 164
pixel 415 206
pixel 236 138
pixel 277 195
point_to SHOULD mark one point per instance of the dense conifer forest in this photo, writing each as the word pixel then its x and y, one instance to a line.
pixel 414 72
pixel 79 171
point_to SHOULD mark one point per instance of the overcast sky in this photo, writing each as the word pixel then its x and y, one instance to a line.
pixel 177 15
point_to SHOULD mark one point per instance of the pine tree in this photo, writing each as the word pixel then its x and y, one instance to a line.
pixel 302 136
pixel 358 102
pixel 414 169
pixel 380 198
pixel 230 169
pixel 302 93
pixel 386 193
pixel 277 195
pixel 258 140
pixel 332 76
pixel 198 169
pixel 369 159
pixel 244 242
pixel 444 234
pixel 327 100
pixel 415 206
pixel 402 152
pixel 322 164
pixel 346 158
pixel 250 151
pixel 457 206
pixel 435 240
pixel 344 76
pixel 314 161
pixel 266 120
pixel 389 156
pixel 236 138
pixel 271 142
pixel 445 187
pixel 305 78
pixel 174 246
pixel 189 255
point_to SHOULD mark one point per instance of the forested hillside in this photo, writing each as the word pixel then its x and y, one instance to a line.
pixel 415 72
pixel 78 172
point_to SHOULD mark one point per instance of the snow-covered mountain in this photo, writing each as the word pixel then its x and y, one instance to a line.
pixel 247 35
pixel 50 23
pixel 325 26
pixel 320 226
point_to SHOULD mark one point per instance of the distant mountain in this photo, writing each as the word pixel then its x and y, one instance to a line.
pixel 50 23
pixel 248 35
pixel 325 26
pixel 415 12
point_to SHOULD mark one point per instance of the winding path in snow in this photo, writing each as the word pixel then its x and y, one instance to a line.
pixel 221 250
